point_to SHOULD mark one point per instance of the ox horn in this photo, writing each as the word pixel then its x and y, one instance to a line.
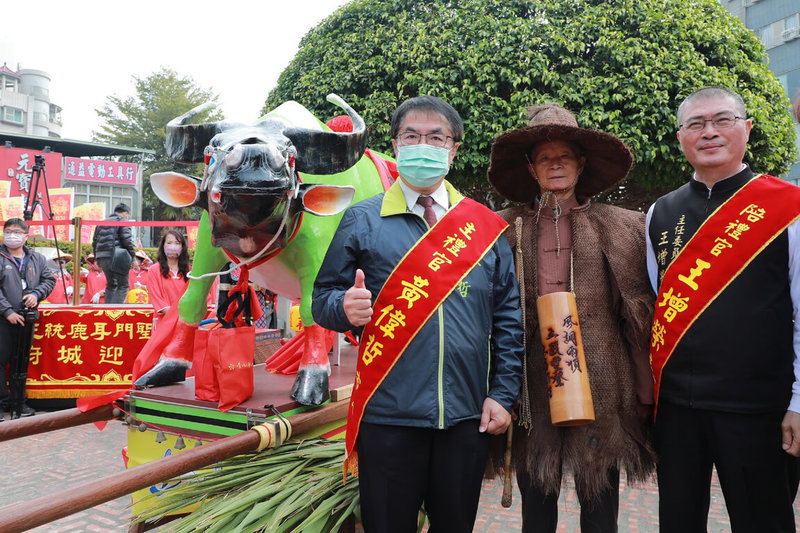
pixel 326 152
pixel 185 143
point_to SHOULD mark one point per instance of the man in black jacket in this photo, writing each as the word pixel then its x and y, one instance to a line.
pixel 106 240
pixel 25 281
pixel 724 257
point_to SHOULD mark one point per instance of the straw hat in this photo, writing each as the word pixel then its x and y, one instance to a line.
pixel 608 160
pixel 49 253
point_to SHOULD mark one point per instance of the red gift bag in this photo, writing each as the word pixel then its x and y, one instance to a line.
pixel 205 378
pixel 231 352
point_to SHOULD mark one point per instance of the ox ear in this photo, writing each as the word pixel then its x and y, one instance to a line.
pixel 326 200
pixel 175 189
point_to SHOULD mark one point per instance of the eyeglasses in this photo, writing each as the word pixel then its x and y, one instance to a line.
pixel 439 140
pixel 13 232
pixel 721 122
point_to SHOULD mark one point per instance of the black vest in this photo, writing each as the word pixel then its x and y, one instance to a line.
pixel 738 354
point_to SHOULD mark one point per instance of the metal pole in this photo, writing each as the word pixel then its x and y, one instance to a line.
pixel 76 262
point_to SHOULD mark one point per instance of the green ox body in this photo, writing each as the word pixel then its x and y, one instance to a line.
pixel 273 194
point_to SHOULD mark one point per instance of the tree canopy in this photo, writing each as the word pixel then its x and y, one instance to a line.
pixel 622 66
pixel 141 120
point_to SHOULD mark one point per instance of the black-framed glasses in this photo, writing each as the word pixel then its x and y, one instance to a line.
pixel 721 122
pixel 439 140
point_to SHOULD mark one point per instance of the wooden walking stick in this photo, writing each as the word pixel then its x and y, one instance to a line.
pixel 505 501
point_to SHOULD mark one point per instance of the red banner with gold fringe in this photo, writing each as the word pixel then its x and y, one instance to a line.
pixel 84 351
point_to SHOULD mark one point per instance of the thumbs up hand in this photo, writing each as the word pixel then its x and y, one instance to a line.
pixel 358 302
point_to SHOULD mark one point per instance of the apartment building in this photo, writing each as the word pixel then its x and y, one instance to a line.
pixel 25 106
pixel 777 24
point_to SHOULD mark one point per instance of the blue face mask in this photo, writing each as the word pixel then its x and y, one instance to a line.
pixel 422 165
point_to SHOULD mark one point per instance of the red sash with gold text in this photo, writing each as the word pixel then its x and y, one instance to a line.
pixel 415 289
pixel 729 239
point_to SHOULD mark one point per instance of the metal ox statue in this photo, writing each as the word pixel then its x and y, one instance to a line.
pixel 273 193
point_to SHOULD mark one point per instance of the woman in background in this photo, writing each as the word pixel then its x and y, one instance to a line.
pixel 168 278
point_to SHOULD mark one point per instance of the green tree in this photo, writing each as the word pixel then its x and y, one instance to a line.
pixel 140 121
pixel 623 66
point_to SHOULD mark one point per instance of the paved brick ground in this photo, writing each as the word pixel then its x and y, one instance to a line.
pixel 45 464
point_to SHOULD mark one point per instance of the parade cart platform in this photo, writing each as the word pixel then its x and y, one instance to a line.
pixel 169 420
pixel 174 409
pixel 171 433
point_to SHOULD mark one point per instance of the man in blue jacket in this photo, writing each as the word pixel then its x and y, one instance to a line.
pixel 422 270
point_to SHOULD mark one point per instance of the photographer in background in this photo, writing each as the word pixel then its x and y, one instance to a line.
pixel 25 280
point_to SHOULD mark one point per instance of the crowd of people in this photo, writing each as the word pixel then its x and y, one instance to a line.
pixel 685 321
pixel 160 283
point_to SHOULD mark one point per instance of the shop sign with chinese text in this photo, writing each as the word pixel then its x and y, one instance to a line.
pixel 98 170
pixel 17 168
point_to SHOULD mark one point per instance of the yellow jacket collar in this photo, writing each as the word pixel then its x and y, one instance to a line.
pixel 394 202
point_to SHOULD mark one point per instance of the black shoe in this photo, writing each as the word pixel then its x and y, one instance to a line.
pixel 2 416
pixel 24 412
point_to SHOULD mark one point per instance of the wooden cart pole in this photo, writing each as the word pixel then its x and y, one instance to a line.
pixel 42 423
pixel 26 515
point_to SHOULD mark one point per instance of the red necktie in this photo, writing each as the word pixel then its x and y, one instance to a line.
pixel 428 215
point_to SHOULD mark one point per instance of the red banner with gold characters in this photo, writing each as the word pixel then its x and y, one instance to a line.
pixel 17 167
pixel 61 201
pixel 89 211
pixel 85 351
pixel 422 280
pixel 723 246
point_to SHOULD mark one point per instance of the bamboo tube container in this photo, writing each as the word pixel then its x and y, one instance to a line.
pixel 567 377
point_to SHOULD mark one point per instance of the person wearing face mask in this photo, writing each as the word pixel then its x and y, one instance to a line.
pixel 105 241
pixel 424 276
pixel 168 278
pixel 25 281
pixel 94 280
pixel 570 249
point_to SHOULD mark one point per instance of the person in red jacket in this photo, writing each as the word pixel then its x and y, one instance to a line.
pixel 62 292
pixel 137 277
pixel 95 281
